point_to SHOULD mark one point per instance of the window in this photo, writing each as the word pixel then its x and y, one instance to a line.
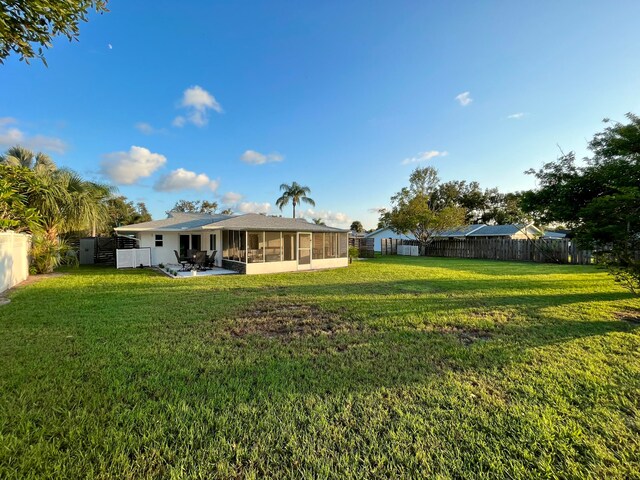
pixel 213 242
pixel 159 241
pixel 273 247
pixel 289 244
pixel 318 246
pixel 255 247
pixel 184 245
pixel 195 242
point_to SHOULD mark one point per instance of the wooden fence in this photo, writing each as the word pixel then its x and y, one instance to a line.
pixel 364 245
pixel 539 250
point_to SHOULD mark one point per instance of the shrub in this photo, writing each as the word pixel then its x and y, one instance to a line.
pixel 354 252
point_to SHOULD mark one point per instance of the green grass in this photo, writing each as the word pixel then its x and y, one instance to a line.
pixel 394 367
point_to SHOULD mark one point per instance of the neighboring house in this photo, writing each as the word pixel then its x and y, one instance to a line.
pixel 249 243
pixel 385 232
pixel 468 231
pixel 554 235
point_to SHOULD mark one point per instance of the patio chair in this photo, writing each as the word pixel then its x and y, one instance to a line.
pixel 182 261
pixel 211 259
pixel 201 260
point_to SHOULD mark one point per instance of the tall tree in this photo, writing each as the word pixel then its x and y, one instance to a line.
pixel 295 194
pixel 25 23
pixel 415 209
pixel 318 221
pixel 63 200
pixel 195 206
pixel 23 157
pixel 599 199
pixel 356 226
pixel 121 211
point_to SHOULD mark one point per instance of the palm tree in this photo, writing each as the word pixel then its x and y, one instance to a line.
pixel 23 157
pixel 318 221
pixel 296 193
pixel 64 201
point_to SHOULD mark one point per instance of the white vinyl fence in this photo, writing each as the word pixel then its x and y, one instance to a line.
pixel 14 259
pixel 411 250
pixel 133 257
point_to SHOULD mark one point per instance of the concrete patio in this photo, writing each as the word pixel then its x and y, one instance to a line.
pixel 198 273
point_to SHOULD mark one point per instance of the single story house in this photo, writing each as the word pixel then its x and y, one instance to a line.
pixel 479 230
pixel 385 232
pixel 249 243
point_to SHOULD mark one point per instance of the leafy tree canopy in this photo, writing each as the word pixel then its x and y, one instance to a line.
pixel 417 208
pixel 29 26
pixel 195 206
pixel 356 226
pixel 599 198
pixel 121 211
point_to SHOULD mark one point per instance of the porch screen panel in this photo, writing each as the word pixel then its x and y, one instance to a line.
pixel 318 246
pixel 343 245
pixel 255 247
pixel 243 246
pixel 225 244
pixel 273 247
pixel 289 247
pixel 330 245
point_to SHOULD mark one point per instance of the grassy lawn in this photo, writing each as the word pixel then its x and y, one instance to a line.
pixel 394 367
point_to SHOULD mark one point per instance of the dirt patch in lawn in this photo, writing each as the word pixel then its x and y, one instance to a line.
pixel 466 335
pixel 629 315
pixel 288 320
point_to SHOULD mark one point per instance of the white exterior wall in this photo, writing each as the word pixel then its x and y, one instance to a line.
pixel 386 233
pixel 272 267
pixel 292 265
pixel 330 263
pixel 14 259
pixel 171 242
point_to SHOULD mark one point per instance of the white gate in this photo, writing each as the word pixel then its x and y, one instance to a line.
pixel 133 257
pixel 411 250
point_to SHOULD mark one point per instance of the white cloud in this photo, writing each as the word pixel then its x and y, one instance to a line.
pixel 10 137
pixel 516 116
pixel 7 121
pixel 464 98
pixel 231 198
pixel 197 102
pixel 148 129
pixel 14 136
pixel 179 121
pixel 329 217
pixel 127 167
pixel 424 156
pixel 182 179
pixel 145 128
pixel 40 142
pixel 253 207
pixel 109 46
pixel 256 158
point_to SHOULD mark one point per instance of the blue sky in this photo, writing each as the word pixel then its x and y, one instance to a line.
pixel 227 100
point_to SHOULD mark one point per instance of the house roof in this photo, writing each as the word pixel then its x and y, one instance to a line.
pixel 464 231
pixel 554 235
pixel 177 221
pixel 479 230
pixel 255 221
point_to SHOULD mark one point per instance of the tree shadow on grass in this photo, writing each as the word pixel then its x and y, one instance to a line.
pixel 368 360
